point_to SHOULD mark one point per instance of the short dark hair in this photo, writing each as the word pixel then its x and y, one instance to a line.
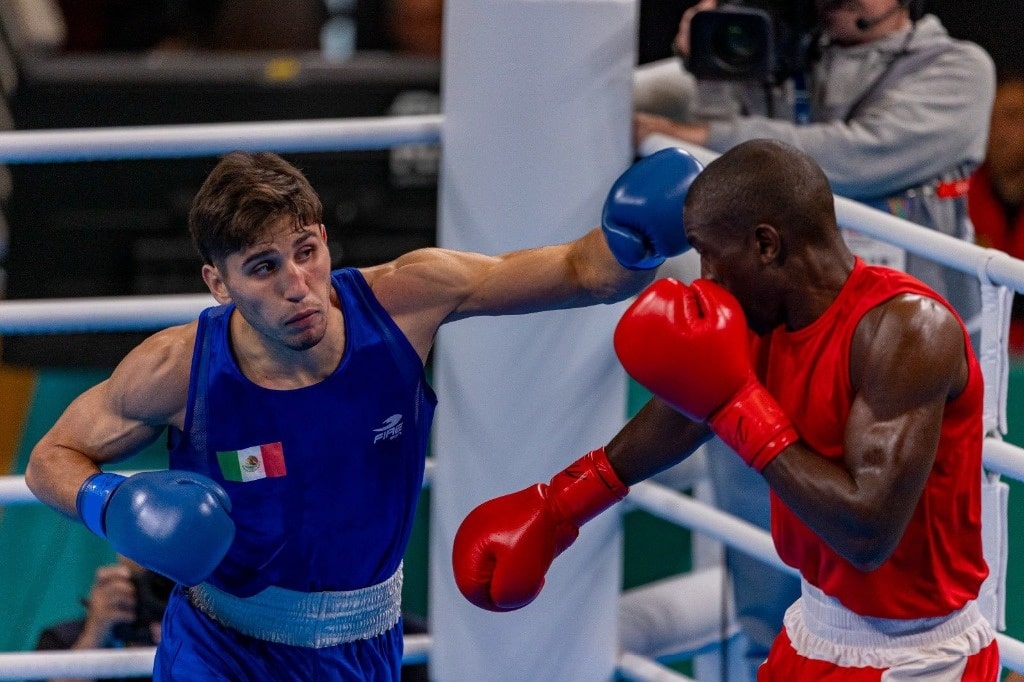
pixel 242 195
pixel 765 181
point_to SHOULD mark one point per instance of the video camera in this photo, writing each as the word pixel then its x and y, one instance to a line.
pixel 765 40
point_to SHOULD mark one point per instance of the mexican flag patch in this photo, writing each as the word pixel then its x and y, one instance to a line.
pixel 252 464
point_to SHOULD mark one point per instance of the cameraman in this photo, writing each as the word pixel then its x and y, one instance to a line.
pixel 124 609
pixel 896 112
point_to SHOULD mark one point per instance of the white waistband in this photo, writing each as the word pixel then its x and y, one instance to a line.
pixel 308 619
pixel 825 617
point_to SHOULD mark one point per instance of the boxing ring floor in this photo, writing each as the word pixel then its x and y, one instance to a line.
pixel 997 272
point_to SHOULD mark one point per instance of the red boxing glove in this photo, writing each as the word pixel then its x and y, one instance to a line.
pixel 689 346
pixel 504 547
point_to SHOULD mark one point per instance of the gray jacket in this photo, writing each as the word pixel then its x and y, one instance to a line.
pixel 889 120
pixel 920 125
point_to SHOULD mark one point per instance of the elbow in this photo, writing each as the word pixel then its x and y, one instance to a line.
pixel 33 479
pixel 867 561
pixel 868 551
pixel 38 474
pixel 628 285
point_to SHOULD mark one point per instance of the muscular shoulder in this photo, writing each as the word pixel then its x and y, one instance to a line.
pixel 428 287
pixel 424 279
pixel 424 288
pixel 151 382
pixel 910 342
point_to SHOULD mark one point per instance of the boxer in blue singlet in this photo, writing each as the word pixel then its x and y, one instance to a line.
pixel 298 417
pixel 375 432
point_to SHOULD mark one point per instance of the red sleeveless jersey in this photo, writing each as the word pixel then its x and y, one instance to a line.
pixel 938 565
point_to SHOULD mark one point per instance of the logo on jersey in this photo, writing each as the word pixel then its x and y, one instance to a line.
pixel 252 463
pixel 390 430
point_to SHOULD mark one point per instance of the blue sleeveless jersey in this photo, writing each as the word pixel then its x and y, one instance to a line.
pixel 330 473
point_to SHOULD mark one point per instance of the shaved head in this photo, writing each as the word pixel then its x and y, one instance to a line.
pixel 764 182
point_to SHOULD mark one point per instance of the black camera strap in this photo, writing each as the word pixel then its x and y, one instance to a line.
pixel 902 63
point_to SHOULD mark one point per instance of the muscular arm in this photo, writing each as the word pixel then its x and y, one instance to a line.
pixel 114 419
pixel 425 288
pixel 908 359
pixel 655 439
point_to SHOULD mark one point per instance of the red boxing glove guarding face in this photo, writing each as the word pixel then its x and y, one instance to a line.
pixel 689 345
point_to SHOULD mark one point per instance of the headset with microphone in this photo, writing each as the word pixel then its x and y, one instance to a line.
pixel 866 24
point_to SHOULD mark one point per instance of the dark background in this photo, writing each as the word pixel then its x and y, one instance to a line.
pixel 115 228
pixel 119 227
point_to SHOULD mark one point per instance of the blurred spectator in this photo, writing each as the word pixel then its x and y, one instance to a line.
pixel 996 195
pixel 242 25
pixel 230 25
pixel 136 25
pixel 406 26
pixel 124 609
pixel 415 26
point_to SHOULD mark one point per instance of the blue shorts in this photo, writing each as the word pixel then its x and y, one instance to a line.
pixel 194 647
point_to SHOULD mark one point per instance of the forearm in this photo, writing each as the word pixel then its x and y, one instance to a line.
pixel 832 503
pixel 600 277
pixel 657 438
pixel 865 159
pixel 664 88
pixel 56 473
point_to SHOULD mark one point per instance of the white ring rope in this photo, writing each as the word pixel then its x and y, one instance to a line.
pixel 151 312
pixel 635 668
pixel 683 510
pixel 138 662
pixel 131 662
pixel 91 663
pixel 210 139
pixel 1004 458
pixel 113 314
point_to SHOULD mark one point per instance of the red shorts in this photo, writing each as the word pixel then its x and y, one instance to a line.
pixel 784 664
pixel 823 640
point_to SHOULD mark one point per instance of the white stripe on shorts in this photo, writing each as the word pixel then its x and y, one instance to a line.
pixel 935 649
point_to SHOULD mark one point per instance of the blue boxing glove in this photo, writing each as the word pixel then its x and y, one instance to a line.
pixel 643 214
pixel 173 522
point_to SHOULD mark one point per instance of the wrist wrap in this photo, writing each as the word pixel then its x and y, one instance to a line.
pixel 754 425
pixel 586 488
pixel 92 499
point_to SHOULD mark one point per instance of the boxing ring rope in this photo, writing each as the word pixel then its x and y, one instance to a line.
pixel 138 313
pixel 103 663
pixel 210 139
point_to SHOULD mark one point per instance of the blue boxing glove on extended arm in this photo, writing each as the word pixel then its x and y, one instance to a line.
pixel 173 522
pixel 643 214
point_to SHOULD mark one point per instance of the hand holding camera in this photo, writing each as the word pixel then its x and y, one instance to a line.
pixel 124 605
pixel 681 44
pixel 111 602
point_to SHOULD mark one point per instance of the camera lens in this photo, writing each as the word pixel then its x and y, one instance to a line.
pixel 736 48
pixel 733 43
